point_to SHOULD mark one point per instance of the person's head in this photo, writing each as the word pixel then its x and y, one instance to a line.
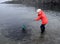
pixel 38 10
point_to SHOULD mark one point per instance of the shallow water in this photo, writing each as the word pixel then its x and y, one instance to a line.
pixel 14 16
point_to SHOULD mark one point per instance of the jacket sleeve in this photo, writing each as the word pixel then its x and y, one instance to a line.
pixel 38 18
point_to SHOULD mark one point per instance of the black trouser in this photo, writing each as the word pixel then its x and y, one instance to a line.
pixel 42 28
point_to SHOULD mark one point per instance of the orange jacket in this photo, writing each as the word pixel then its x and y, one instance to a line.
pixel 42 16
